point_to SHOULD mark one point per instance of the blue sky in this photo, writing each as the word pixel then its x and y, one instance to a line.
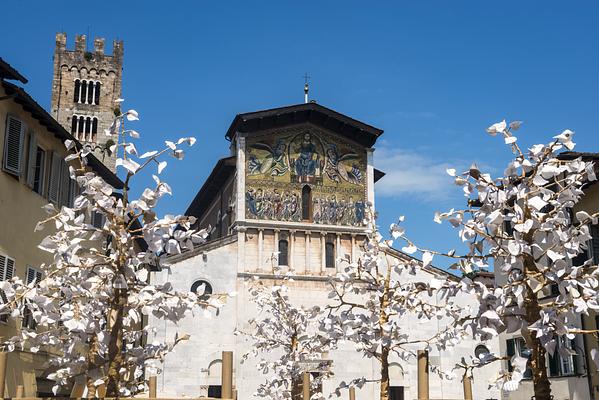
pixel 433 75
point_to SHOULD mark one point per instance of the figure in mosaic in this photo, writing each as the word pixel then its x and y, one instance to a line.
pixel 306 164
pixel 337 169
pixel 274 163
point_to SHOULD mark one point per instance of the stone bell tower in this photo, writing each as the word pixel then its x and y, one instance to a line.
pixel 85 85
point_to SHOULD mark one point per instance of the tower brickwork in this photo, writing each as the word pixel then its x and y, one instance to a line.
pixel 85 85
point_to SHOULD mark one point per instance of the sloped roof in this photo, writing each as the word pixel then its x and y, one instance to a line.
pixel 8 72
pixel 223 169
pixel 314 113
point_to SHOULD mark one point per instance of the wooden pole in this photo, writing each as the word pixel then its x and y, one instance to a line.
pixel 306 386
pixel 20 391
pixel 227 375
pixel 3 361
pixel 467 387
pixel 152 385
pixel 352 393
pixel 423 375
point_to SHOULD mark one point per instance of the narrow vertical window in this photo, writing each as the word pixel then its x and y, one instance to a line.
pixel 74 125
pixel 329 249
pixel 97 94
pixel 38 174
pixel 283 252
pixel 83 91
pixel 94 129
pixel 76 91
pixel 90 92
pixel 88 128
pixel 306 203
pixel 81 126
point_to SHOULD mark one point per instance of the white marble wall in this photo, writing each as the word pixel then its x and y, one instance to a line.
pixel 195 364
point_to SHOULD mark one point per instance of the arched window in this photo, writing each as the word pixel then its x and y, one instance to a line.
pixel 74 125
pixel 88 127
pixel 202 288
pixel 94 129
pixel 80 126
pixel 306 203
pixel 283 252
pixel 90 92
pixel 76 91
pixel 329 250
pixel 97 94
pixel 83 91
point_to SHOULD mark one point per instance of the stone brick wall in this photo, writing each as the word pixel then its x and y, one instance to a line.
pixel 93 65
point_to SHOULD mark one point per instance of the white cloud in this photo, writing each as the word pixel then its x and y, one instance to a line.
pixel 408 173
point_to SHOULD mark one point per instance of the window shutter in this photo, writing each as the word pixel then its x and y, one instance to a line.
pixel 33 275
pixel 54 186
pixel 554 363
pixel 64 183
pixel 13 145
pixel 510 350
pixel 7 268
pixel 31 160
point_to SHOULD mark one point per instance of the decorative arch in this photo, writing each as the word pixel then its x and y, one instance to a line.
pixel 204 286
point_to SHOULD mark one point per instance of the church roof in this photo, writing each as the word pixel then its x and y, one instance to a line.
pixel 362 133
pixel 223 169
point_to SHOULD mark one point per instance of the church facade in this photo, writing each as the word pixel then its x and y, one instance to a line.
pixel 293 194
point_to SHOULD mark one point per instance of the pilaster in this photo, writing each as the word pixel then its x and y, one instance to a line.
pixel 240 194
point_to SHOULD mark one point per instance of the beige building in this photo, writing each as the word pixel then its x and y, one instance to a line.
pixel 292 193
pixel 33 173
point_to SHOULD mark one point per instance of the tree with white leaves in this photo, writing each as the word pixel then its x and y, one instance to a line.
pixel 523 226
pixel 286 339
pixel 90 305
pixel 372 297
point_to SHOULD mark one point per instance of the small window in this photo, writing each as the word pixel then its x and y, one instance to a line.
pixel 214 391
pixel 396 393
pixel 74 125
pixel 329 255
pixel 202 288
pixel 83 91
pixel 7 271
pixel 88 129
pixel 33 276
pixel 480 351
pixel 76 91
pixel 97 94
pixel 518 346
pixel 97 219
pixel 90 92
pixel 94 129
pixel 38 170
pixel 306 203
pixel 283 252
pixel 81 126
pixel 563 363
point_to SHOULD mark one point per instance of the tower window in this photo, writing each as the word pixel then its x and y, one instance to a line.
pixel 94 129
pixel 283 252
pixel 97 94
pixel 88 128
pixel 329 250
pixel 306 203
pixel 90 93
pixel 76 91
pixel 83 92
pixel 74 125
pixel 81 126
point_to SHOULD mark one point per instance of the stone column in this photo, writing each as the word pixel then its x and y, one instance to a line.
pixel 291 249
pixel 260 248
pixel 240 140
pixel 241 248
pixel 337 249
pixel 323 242
pixel 370 176
pixel 307 244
